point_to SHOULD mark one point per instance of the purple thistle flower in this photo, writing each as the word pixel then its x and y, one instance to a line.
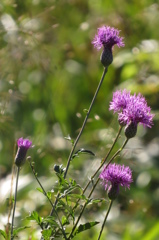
pixel 120 100
pixel 131 109
pixel 107 37
pixel 23 146
pixel 115 175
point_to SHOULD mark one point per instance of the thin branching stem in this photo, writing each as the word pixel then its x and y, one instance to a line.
pixel 15 199
pixel 79 135
pixel 107 213
pixel 80 215
pixel 7 229
pixel 12 179
pixel 84 123
pixel 35 175
pixel 94 186
pixel 105 159
pixel 45 193
pixel 102 163
pixel 112 158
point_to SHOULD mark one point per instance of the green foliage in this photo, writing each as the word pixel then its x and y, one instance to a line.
pixel 82 150
pixel 35 216
pixel 40 190
pixel 51 220
pixel 86 226
pixel 17 230
pixel 47 234
pixel 3 233
pixel 49 72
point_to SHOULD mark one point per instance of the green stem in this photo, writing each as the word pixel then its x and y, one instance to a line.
pixel 112 158
pixel 62 229
pixel 35 175
pixel 44 192
pixel 107 213
pixel 84 123
pixel 80 215
pixel 79 135
pixel 106 157
pixel 15 198
pixel 94 186
pixel 10 197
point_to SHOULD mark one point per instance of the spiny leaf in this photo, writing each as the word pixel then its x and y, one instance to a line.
pixel 3 233
pixel 69 190
pixel 62 205
pixel 97 201
pixel 47 234
pixel 52 222
pixel 78 196
pixel 72 182
pixel 63 182
pixel 49 194
pixel 69 139
pixel 40 190
pixel 85 110
pixel 64 220
pixel 86 226
pixel 82 151
pixel 15 231
pixel 35 216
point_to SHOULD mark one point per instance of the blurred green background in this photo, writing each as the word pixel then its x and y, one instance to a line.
pixel 49 71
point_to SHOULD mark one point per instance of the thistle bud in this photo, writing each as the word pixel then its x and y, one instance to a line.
pixel 23 146
pixel 113 192
pixel 131 130
pixel 106 57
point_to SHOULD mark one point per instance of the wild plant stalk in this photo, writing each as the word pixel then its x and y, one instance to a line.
pixel 45 193
pixel 102 163
pixel 106 37
pixel 107 213
pixel 35 175
pixel 94 186
pixel 10 197
pixel 23 146
pixel 112 177
pixel 84 123
pixel 113 157
pixel 7 228
pixel 15 198
pixel 79 135
pixel 105 159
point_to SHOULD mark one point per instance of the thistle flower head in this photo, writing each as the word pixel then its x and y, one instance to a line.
pixel 107 37
pixel 24 143
pixel 116 175
pixel 23 146
pixel 131 109
pixel 120 100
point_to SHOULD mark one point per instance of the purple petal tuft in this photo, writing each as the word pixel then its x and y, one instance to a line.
pixel 107 37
